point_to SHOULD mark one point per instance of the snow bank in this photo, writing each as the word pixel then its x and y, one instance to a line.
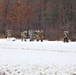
pixel 11 39
pixel 37 70
pixel 37 58
pixel 34 45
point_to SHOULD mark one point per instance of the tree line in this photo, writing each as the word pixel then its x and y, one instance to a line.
pixel 52 16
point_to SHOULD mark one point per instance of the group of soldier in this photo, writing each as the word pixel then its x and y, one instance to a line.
pixel 31 34
pixel 35 35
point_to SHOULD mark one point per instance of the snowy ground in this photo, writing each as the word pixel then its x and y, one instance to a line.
pixel 37 58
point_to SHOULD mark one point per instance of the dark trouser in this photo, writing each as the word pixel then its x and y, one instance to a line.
pixel 66 39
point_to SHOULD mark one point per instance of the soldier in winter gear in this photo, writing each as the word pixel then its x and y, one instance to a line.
pixel 24 35
pixel 37 35
pixel 8 34
pixel 31 35
pixel 41 35
pixel 65 36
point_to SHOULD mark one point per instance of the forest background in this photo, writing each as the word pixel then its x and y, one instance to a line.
pixel 52 16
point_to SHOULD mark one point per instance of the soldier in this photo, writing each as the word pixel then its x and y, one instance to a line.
pixel 31 35
pixel 8 34
pixel 41 35
pixel 37 35
pixel 65 36
pixel 24 35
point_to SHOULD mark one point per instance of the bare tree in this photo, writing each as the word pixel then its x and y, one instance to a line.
pixel 28 27
pixel 6 5
pixel 46 18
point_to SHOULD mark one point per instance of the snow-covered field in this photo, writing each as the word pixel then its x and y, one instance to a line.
pixel 37 58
